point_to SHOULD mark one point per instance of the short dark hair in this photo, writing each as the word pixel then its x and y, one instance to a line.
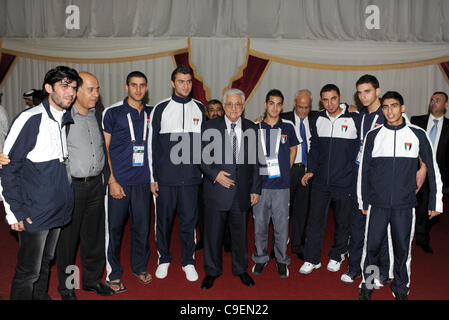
pixel 136 74
pixel 392 95
pixel 368 78
pixel 213 101
pixel 274 93
pixel 60 73
pixel 181 69
pixel 440 92
pixel 329 87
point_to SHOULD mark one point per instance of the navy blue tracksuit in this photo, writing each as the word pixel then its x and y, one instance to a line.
pixel 367 121
pixel 334 146
pixel 386 187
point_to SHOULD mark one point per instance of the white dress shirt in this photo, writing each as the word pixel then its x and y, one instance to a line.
pixel 298 158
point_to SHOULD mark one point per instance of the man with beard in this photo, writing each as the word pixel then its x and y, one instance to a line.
pixel 35 184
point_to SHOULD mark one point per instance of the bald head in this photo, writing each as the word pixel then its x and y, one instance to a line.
pixel 303 102
pixel 88 92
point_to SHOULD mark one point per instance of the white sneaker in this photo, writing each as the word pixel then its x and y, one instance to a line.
pixel 191 273
pixel 162 270
pixel 333 266
pixel 308 267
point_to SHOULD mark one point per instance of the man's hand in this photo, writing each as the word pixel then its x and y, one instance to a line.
pixel 116 190
pixel 254 198
pixel 421 175
pixel 222 178
pixel 305 179
pixel 365 212
pixel 4 159
pixel 259 119
pixel 19 226
pixel 155 189
pixel 433 213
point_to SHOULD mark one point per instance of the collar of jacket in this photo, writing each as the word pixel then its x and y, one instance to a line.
pixel 180 99
pixel 66 118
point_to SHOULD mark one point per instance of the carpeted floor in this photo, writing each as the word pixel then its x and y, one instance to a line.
pixel 429 276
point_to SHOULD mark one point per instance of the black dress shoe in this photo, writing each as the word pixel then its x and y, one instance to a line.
pixel 69 296
pixel 101 289
pixel 426 248
pixel 208 282
pixel 246 279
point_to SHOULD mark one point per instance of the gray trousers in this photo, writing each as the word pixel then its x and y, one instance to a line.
pixel 273 204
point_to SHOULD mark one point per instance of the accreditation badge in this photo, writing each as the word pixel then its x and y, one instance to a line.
pixel 138 156
pixel 273 168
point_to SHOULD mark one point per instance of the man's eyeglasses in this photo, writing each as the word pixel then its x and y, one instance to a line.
pixel 237 105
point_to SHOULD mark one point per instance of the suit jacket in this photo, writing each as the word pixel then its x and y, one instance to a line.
pixel 442 155
pixel 290 115
pixel 245 174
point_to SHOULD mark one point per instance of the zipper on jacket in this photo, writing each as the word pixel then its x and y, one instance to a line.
pixel 183 117
pixel 394 163
pixel 330 149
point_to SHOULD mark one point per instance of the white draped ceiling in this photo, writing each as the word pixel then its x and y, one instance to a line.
pixel 410 68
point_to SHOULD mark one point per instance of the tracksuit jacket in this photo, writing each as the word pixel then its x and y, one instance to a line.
pixel 387 173
pixel 334 146
pixel 35 183
pixel 175 127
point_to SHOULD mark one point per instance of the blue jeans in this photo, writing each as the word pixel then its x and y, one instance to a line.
pixel 36 251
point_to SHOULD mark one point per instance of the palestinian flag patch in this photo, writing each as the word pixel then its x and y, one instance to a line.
pixel 195 121
pixel 408 146
pixel 344 128
pixel 283 138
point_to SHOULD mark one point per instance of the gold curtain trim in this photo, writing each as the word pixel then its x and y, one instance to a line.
pixel 96 60
pixel 11 68
pixel 240 70
pixel 313 65
pixel 195 73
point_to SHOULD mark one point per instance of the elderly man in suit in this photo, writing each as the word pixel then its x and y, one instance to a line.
pixel 233 182
pixel 437 127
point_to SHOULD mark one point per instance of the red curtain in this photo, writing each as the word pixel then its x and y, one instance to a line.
pixel 445 68
pixel 251 75
pixel 6 62
pixel 198 91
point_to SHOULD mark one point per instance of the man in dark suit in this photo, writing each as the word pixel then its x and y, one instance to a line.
pixel 233 185
pixel 437 127
pixel 299 194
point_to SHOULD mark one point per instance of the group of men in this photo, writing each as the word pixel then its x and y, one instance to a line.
pixel 99 165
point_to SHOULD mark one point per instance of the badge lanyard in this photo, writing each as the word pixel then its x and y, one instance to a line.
pixel 138 150
pixel 272 163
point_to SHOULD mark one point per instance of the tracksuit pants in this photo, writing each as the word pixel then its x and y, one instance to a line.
pixel 402 222
pixel 183 199
pixel 355 246
pixel 272 205
pixel 138 203
pixel 321 197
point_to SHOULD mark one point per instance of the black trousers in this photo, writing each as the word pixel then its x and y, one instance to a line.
pixel 200 224
pixel 299 207
pixel 214 230
pixel 423 224
pixel 36 251
pixel 87 229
